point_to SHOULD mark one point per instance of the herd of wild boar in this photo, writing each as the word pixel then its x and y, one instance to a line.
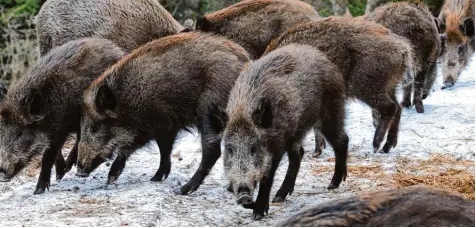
pixel 253 78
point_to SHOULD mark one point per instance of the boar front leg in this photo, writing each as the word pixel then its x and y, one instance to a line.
pixel 60 165
pixel 295 154
pixel 49 157
pixel 73 154
pixel 261 205
pixel 165 143
pixel 118 165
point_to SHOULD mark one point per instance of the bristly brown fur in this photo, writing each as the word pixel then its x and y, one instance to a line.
pixel 127 23
pixel 254 23
pixel 411 206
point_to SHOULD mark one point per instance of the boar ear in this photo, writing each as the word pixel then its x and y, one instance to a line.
pixel 202 23
pixel 439 25
pixel 3 92
pixel 263 115
pixel 467 28
pixel 105 101
pixel 443 38
pixel 35 106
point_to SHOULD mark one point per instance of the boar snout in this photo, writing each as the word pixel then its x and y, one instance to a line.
pixel 81 172
pixel 449 82
pixel 244 196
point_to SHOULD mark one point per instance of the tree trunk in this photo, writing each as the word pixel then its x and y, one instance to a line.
pixel 339 7
pixel 372 4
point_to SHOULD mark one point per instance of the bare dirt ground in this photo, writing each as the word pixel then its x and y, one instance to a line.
pixel 434 148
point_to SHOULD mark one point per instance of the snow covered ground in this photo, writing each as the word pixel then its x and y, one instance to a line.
pixel 447 127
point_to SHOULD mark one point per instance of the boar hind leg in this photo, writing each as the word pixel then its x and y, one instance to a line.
pixel 418 93
pixel 49 157
pixel 73 155
pixel 333 130
pixel 165 145
pixel 386 106
pixel 392 136
pixel 319 140
pixel 407 93
pixel 60 165
pixel 295 154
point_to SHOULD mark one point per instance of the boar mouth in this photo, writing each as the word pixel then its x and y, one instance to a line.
pixel 85 171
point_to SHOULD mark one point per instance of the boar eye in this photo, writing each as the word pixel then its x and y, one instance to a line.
pixel 460 49
pixel 253 149
pixel 94 128
pixel 229 151
pixel 19 134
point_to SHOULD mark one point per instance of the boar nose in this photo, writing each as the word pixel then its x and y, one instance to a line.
pixel 451 63
pixel 449 82
pixel 80 172
pixel 244 196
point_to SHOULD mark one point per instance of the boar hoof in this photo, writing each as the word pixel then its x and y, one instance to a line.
pixel 278 199
pixel 111 180
pixel 332 186
pixel 386 148
pixel 59 176
pixel 230 188
pixel 41 186
pixel 161 175
pixel 258 213
pixel 419 108
pixel 406 104
pixel 316 153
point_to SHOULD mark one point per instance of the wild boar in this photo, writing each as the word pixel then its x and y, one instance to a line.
pixel 407 207
pixel 43 107
pixel 128 24
pixel 458 16
pixel 415 23
pixel 160 88
pixel 373 61
pixel 254 23
pixel 275 101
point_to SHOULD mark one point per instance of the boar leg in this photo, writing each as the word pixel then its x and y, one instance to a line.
pixel 262 201
pixel 375 118
pixel 333 130
pixel 392 136
pixel 319 140
pixel 49 157
pixel 295 154
pixel 407 93
pixel 73 154
pixel 429 81
pixel 60 165
pixel 117 167
pixel 387 107
pixel 165 143
pixel 210 154
pixel 418 93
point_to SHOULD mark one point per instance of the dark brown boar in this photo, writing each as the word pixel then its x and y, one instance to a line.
pixel 373 61
pixel 254 23
pixel 458 16
pixel 406 207
pixel 43 107
pixel 273 104
pixel 415 23
pixel 160 88
pixel 127 23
